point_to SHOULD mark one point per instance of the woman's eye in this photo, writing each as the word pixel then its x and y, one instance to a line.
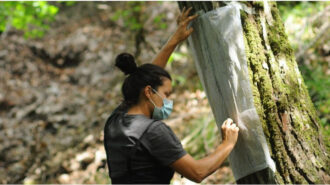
pixel 168 94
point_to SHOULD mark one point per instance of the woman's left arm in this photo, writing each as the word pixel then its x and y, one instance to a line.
pixel 179 35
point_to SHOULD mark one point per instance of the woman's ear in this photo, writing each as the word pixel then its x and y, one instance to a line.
pixel 147 91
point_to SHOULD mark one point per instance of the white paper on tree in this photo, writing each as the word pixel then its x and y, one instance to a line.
pixel 218 48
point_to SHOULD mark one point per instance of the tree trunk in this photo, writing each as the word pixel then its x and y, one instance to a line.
pixel 288 116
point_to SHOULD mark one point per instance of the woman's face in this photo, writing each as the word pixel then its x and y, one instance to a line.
pixel 164 91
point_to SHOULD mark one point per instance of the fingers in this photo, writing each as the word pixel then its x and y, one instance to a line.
pixel 226 123
pixel 223 125
pixel 180 17
pixel 190 18
pixel 193 17
pixel 233 126
pixel 229 122
pixel 187 12
pixel 183 18
pixel 184 9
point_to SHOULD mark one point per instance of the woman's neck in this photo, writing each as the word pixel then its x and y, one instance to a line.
pixel 139 109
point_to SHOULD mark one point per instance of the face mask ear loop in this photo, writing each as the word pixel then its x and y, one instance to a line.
pixel 157 93
pixel 151 100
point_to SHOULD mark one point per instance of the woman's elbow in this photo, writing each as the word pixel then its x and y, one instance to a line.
pixel 195 176
pixel 199 176
pixel 198 180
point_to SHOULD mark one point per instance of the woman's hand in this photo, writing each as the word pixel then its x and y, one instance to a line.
pixel 180 34
pixel 183 20
pixel 229 132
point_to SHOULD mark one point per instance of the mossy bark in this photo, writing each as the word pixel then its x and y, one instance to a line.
pixel 288 116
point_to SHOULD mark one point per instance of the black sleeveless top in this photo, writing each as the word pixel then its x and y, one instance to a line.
pixel 140 149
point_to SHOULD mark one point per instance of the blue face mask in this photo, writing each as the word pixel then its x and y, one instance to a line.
pixel 164 111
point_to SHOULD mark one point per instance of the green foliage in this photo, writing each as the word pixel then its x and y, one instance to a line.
pixel 133 15
pixel 30 17
pixel 177 78
pixel 158 21
pixel 295 14
pixel 130 15
pixel 318 84
pixel 102 177
pixel 299 9
pixel 69 3
pixel 176 56
pixel 203 138
pixel 66 3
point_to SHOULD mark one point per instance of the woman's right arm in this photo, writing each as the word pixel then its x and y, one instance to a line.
pixel 181 34
pixel 197 170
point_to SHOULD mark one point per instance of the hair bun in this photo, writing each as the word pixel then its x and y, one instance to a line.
pixel 126 63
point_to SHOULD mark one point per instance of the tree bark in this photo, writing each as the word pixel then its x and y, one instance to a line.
pixel 287 114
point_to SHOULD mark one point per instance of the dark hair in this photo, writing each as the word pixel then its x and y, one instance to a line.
pixel 139 77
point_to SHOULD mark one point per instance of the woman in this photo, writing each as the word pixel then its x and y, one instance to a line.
pixel 140 148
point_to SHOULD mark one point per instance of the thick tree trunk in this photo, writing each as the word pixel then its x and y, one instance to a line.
pixel 288 117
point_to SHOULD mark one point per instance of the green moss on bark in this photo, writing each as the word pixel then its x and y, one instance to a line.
pixel 262 90
pixel 281 99
pixel 278 39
